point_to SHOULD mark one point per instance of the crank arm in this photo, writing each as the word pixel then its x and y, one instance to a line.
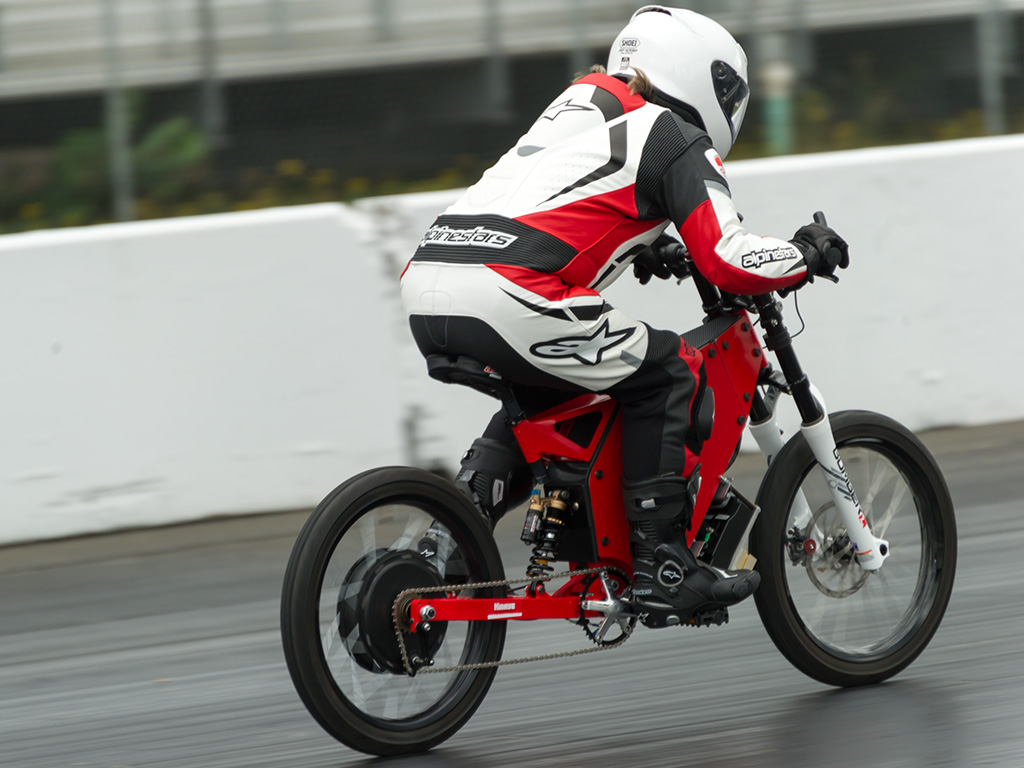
pixel 614 609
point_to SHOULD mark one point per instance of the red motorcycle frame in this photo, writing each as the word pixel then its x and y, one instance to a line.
pixel 733 360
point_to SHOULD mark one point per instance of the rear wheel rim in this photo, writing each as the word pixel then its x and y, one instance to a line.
pixel 381 696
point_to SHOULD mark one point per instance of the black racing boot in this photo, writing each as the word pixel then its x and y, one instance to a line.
pixel 496 478
pixel 670 585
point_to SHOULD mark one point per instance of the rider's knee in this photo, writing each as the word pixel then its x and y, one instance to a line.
pixel 495 477
pixel 702 415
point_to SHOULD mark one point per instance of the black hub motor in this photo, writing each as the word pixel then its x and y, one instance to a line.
pixel 365 604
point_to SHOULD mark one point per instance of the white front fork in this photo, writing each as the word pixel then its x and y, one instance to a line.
pixel 871 551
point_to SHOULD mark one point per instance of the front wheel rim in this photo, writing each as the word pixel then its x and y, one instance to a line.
pixel 872 615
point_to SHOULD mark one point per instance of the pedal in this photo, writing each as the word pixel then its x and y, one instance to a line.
pixel 713 618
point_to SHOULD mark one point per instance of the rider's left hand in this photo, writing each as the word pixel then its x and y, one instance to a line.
pixel 823 250
pixel 663 258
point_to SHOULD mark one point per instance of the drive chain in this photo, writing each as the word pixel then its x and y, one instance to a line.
pixel 408 593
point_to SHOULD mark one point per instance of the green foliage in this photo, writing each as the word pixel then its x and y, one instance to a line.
pixel 168 166
pixel 80 178
pixel 70 184
pixel 169 160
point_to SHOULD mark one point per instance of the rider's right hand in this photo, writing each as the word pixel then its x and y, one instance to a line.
pixel 663 258
pixel 823 250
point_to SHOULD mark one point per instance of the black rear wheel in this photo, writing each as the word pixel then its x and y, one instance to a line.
pixel 833 620
pixel 378 534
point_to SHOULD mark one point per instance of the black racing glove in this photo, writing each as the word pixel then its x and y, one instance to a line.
pixel 823 251
pixel 663 258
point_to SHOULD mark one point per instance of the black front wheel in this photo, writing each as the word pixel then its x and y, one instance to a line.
pixel 833 620
pixel 376 535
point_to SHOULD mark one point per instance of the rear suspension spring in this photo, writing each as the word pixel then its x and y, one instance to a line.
pixel 549 512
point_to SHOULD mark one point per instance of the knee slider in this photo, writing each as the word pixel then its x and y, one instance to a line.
pixel 703 418
pixel 495 477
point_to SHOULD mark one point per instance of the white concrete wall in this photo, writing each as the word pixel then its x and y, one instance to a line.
pixel 164 371
pixel 156 372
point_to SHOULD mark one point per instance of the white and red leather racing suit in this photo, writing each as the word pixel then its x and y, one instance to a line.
pixel 511 273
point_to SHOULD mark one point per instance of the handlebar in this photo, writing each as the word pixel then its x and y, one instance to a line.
pixel 715 300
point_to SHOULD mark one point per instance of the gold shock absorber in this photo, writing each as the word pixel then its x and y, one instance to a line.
pixel 545 516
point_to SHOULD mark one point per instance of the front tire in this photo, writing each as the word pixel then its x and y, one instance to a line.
pixel 363 545
pixel 834 621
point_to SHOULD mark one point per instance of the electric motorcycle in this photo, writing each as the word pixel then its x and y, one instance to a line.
pixel 396 603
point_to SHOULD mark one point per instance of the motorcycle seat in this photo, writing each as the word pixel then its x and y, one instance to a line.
pixel 461 369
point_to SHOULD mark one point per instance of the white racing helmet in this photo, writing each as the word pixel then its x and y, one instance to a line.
pixel 696 67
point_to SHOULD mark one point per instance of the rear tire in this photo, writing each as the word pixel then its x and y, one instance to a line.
pixel 357 551
pixel 832 620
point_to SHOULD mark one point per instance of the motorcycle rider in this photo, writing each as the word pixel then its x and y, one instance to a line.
pixel 511 275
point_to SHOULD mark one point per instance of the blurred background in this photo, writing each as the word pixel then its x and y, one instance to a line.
pixel 117 110
pixel 176 369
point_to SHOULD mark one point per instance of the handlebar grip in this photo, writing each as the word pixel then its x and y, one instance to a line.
pixel 834 255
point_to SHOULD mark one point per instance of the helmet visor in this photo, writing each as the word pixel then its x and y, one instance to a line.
pixel 733 94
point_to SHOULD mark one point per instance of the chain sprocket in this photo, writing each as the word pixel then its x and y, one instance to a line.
pixel 596 630
pixel 403 599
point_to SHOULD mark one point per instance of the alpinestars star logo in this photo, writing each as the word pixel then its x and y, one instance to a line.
pixel 565 106
pixel 589 350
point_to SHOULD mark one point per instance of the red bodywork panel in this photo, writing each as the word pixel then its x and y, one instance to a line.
pixel 539 437
pixel 732 362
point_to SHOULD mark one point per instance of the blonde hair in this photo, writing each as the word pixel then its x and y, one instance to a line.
pixel 638 84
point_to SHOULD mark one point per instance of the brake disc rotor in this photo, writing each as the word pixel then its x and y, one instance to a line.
pixel 830 563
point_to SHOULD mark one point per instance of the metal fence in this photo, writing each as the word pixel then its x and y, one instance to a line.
pixel 153 88
pixel 60 46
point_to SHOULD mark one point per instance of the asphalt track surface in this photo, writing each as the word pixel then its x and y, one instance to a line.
pixel 161 648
